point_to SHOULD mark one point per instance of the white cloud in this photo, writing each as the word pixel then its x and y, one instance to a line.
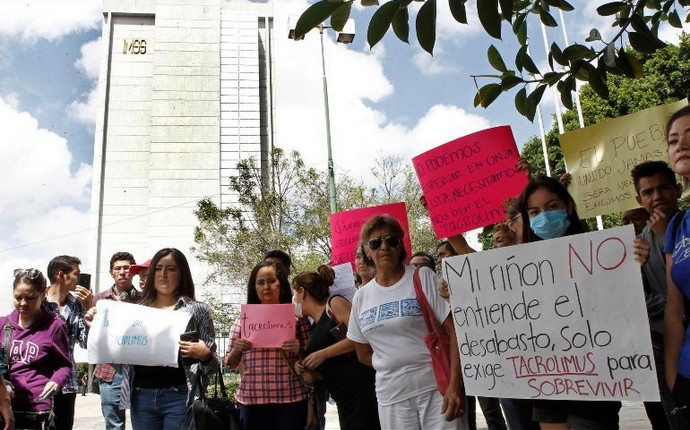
pixel 84 110
pixel 85 107
pixel 48 19
pixel 41 194
pixel 90 59
pixel 432 65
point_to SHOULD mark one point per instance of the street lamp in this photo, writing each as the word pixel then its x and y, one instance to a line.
pixel 347 35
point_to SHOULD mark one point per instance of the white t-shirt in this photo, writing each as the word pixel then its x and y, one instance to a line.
pixel 390 320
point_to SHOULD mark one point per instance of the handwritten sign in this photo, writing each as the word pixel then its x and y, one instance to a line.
pixel 268 326
pixel 346 226
pixel 601 156
pixel 344 283
pixel 466 181
pixel 557 319
pixel 124 333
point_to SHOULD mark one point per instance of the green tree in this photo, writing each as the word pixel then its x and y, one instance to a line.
pixel 637 23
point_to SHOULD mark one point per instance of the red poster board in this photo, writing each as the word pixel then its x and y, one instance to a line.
pixel 346 226
pixel 467 180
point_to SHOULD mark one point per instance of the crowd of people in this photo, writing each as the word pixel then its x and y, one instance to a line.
pixel 368 355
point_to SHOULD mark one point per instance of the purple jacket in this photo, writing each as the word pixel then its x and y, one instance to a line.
pixel 38 354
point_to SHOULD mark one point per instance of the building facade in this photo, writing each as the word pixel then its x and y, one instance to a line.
pixel 185 93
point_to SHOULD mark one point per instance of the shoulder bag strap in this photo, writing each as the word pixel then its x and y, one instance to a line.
pixel 432 324
pixel 6 340
pixel 293 373
pixel 329 311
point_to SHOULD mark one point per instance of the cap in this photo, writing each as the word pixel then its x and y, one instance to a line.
pixel 137 267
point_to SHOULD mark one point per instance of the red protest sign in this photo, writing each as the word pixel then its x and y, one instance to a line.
pixel 467 180
pixel 346 226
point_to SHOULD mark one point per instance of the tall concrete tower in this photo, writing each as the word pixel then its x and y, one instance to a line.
pixel 185 93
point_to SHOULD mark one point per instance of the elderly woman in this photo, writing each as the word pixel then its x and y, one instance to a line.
pixel 159 396
pixel 39 362
pixel 387 319
pixel 677 249
pixel 270 395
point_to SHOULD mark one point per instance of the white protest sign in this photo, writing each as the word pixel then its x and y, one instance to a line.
pixel 557 319
pixel 344 283
pixel 124 333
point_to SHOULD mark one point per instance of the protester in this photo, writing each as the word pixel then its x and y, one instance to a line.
pixel 63 273
pixel 330 356
pixel 385 322
pixel 503 235
pixel 421 258
pixel 142 270
pixel 551 212
pixel 514 219
pixel 108 377
pixel 158 395
pixel 40 334
pixel 657 191
pixel 6 416
pixel 637 217
pixel 677 249
pixel 270 395
pixel 364 266
pixel 281 259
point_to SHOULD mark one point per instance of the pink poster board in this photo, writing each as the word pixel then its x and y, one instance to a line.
pixel 268 326
pixel 346 226
pixel 467 180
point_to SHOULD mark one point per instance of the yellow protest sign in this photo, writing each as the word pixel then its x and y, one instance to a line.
pixel 601 156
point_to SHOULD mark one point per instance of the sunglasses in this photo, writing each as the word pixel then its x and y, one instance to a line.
pixel 375 242
pixel 28 273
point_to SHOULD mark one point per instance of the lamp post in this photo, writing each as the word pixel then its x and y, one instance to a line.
pixel 346 36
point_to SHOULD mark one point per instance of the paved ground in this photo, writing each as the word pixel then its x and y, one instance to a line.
pixel 88 416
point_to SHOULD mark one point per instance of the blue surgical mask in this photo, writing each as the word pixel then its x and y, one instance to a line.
pixel 550 224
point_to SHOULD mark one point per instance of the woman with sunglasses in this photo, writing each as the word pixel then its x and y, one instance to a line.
pixel 388 329
pixel 39 362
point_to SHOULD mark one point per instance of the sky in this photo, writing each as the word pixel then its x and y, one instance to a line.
pixel 392 99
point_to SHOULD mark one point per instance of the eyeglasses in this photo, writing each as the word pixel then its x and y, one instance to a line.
pixel 375 242
pixel 28 273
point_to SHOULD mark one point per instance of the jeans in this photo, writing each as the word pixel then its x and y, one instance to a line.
pixel 110 403
pixel 159 408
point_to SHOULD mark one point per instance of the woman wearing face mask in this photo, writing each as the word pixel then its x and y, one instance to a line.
pixel 677 249
pixel 330 356
pixel 270 395
pixel 551 212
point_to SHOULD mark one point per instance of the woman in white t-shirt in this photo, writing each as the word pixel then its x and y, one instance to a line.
pixel 388 329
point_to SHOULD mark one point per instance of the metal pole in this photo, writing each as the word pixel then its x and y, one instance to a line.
pixel 331 172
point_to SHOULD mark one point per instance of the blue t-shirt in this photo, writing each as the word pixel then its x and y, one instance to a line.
pixel 679 248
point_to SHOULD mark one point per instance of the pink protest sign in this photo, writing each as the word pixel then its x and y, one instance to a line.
pixel 346 226
pixel 467 180
pixel 268 326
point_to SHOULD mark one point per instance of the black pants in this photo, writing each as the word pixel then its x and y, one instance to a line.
pixel 63 407
pixel 681 394
pixel 33 420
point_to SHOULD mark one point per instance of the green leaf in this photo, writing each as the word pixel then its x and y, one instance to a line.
pixel 521 17
pixel 576 52
pixel 426 26
pixel 489 93
pixel 527 62
pixel 557 55
pixel 674 19
pixel 489 17
pixel 612 8
pixel 340 17
pixel 547 19
pixel 551 78
pixel 315 15
pixel 635 65
pixel 506 9
pixel 644 43
pixel 381 22
pixel 597 82
pixel 522 33
pixel 610 55
pixel 495 59
pixel 565 6
pixel 477 99
pixel 457 9
pixel 640 26
pixel 369 2
pixel 565 92
pixel 533 101
pixel 520 99
pixel 593 35
pixel 509 82
pixel 401 25
pixel 580 70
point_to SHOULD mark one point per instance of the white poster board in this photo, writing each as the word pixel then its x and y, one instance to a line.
pixel 557 319
pixel 124 333
pixel 344 283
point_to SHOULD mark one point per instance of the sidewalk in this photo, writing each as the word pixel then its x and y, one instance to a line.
pixel 88 416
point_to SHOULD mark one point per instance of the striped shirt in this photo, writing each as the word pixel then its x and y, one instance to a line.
pixel 265 377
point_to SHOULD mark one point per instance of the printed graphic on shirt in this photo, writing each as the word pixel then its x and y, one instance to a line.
pixel 23 352
pixel 367 317
pixel 389 311
pixel 681 250
pixel 410 308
